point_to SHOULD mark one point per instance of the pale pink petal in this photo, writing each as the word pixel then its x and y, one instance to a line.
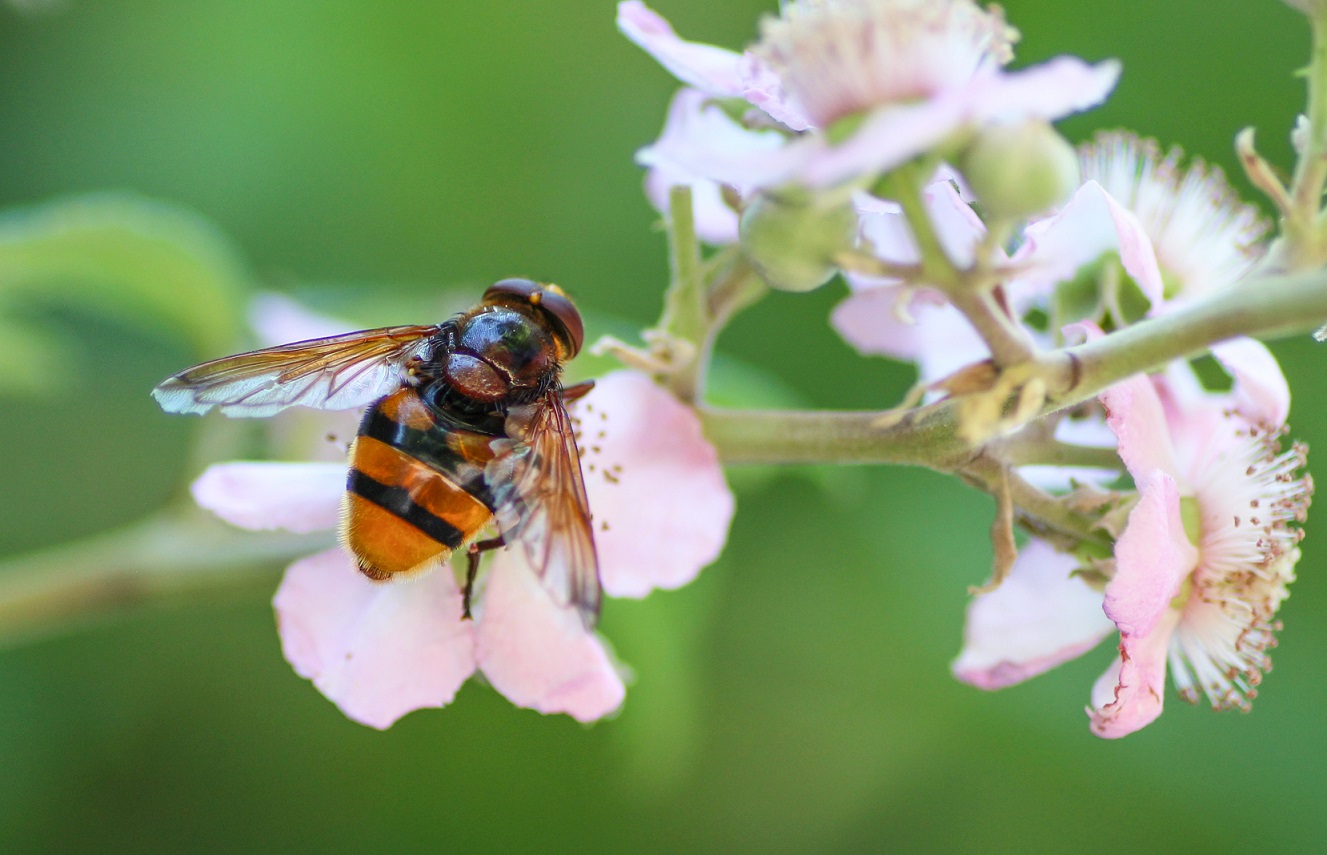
pixel 940 340
pixel 277 319
pixel 1261 393
pixel 1052 90
pixel 763 88
pixel 957 226
pixel 259 495
pixel 697 128
pixel 1128 697
pixel 887 138
pixel 712 69
pixel 537 654
pixel 715 220
pixel 701 141
pixel 376 649
pixel 1039 617
pixel 657 491
pixel 1153 557
pixel 1135 415
pixel 897 132
pixel 1090 224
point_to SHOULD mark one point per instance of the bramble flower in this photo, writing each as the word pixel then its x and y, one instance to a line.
pixel 1200 569
pixel 380 650
pixel 861 86
pixel 1179 234
pixel 693 120
pixel 883 317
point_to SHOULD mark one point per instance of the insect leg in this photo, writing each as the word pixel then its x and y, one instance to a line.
pixel 577 390
pixel 472 554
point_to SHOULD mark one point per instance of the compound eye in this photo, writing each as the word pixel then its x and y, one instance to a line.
pixel 551 299
pixel 554 301
pixel 518 288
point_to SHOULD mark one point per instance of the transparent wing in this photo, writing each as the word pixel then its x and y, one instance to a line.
pixel 336 373
pixel 540 499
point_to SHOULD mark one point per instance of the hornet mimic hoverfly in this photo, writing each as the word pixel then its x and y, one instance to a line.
pixel 466 425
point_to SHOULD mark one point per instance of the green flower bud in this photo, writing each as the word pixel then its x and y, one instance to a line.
pixel 1020 170
pixel 792 243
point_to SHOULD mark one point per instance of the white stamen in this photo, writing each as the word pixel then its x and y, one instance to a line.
pixel 840 57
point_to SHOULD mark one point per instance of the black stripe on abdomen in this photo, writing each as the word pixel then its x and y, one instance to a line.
pixel 397 501
pixel 430 448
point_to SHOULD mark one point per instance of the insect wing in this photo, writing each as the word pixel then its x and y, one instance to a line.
pixel 336 373
pixel 540 501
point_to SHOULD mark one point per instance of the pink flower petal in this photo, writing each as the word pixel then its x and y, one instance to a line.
pixel 1090 224
pixel 887 138
pixel 1038 618
pixel 299 497
pixel 1153 557
pixel 715 221
pixel 1135 415
pixel 1129 696
pixel 661 505
pixel 1051 90
pixel 708 68
pixel 376 650
pixel 539 655
pixel 277 319
pixel 696 128
pixel 941 340
pixel 1261 393
pixel 763 88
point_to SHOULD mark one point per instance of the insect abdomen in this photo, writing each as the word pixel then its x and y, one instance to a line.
pixel 416 490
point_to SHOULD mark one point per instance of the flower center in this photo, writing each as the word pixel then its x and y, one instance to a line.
pixel 1252 495
pixel 840 57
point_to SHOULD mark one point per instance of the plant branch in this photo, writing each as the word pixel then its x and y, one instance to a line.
pixel 173 555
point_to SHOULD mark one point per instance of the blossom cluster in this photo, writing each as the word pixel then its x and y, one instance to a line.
pixel 904 114
pixel 889 142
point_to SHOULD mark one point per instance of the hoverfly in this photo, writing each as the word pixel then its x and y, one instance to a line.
pixel 466 425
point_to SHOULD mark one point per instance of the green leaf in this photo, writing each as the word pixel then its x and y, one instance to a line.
pixel 131 258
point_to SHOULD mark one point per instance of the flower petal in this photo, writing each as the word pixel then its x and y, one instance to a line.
pixel 299 497
pixel 277 319
pixel 1153 557
pixel 940 339
pixel 377 650
pixel 661 505
pixel 1090 224
pixel 711 69
pixel 1051 90
pixel 538 655
pixel 1129 696
pixel 1136 417
pixel 763 87
pixel 1261 392
pixel 1039 617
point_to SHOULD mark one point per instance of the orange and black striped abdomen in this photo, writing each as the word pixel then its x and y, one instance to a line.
pixel 416 490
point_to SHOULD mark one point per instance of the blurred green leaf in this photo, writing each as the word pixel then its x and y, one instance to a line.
pixel 131 258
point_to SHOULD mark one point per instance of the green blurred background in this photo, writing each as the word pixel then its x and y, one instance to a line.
pixel 797 698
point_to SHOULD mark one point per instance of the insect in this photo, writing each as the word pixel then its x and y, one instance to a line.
pixel 466 426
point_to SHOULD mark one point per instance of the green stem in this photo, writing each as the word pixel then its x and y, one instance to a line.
pixel 174 555
pixel 685 318
pixel 1267 308
pixel 1302 231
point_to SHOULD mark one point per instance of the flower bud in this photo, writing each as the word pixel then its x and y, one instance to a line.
pixel 1019 170
pixel 793 243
